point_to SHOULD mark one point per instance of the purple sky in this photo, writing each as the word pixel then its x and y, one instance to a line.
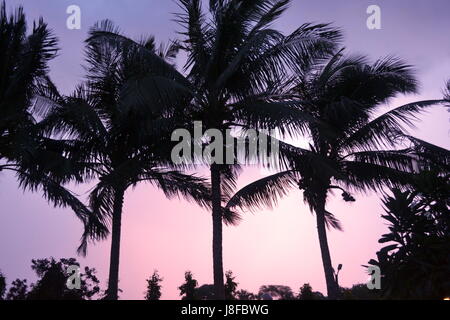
pixel 268 247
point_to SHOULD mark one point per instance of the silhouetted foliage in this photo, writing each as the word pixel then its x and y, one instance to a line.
pixel 154 287
pixel 24 62
pixel 236 63
pixel 115 129
pixel 307 293
pixel 36 160
pixel 205 292
pixel 188 290
pixel 230 286
pixel 118 133
pixel 18 290
pixel 277 292
pixel 245 295
pixel 360 292
pixel 191 291
pixel 2 286
pixel 416 262
pixel 350 148
pixel 52 284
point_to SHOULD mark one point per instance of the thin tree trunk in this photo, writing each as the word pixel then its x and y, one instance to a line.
pixel 219 288
pixel 332 289
pixel 113 282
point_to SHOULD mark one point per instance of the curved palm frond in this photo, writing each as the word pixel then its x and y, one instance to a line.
pixel 73 116
pixel 264 192
pixel 272 53
pixel 229 177
pixel 24 62
pixel 231 217
pixel 386 129
pixel 402 160
pixel 197 33
pixel 176 184
pixel 362 176
pixel 285 116
pixel 429 155
pixel 59 196
pixel 105 34
pixel 332 222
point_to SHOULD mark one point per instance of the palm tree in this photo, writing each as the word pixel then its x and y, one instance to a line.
pixel 235 63
pixel 350 148
pixel 36 160
pixel 23 61
pixel 116 133
pixel 235 66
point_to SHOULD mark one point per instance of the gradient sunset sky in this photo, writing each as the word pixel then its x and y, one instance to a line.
pixel 173 236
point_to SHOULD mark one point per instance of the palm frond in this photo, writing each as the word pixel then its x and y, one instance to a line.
pixel 264 192
pixel 59 196
pixel 384 130
pixel 265 114
pixel 332 222
pixel 176 184
pixel 366 177
pixel 107 34
pixel 429 155
pixel 193 21
pixel 72 116
pixel 402 160
pixel 231 217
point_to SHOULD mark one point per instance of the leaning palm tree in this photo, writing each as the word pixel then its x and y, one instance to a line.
pixel 119 135
pixel 350 147
pixel 36 160
pixel 24 61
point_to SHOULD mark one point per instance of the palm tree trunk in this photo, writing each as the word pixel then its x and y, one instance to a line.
pixel 113 282
pixel 219 289
pixel 332 289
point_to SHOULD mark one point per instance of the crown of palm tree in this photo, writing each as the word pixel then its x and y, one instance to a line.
pixel 110 129
pixel 35 159
pixel 351 147
pixel 353 143
pixel 235 63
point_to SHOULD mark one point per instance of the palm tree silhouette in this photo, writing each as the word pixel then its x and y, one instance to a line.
pixel 24 61
pixel 235 63
pixel 118 134
pixel 235 66
pixel 350 148
pixel 36 160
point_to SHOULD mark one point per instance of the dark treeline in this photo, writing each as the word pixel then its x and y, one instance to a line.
pixel 115 130
pixel 416 266
pixel 52 285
